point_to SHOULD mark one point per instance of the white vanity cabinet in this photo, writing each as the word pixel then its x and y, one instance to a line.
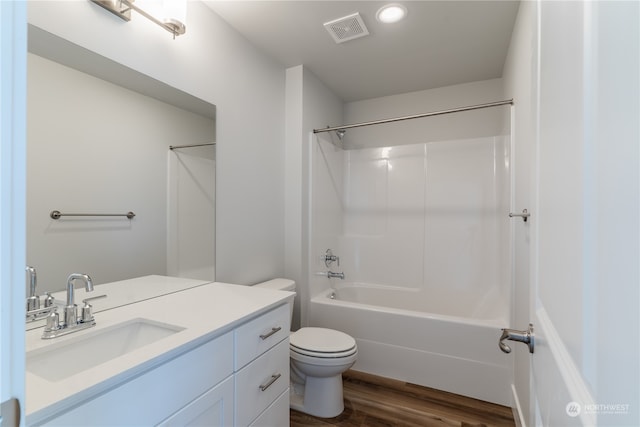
pixel 170 388
pixel 227 366
pixel 262 370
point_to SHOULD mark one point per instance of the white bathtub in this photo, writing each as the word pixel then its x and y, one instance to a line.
pixel 450 346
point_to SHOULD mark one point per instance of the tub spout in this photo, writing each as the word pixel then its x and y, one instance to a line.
pixel 331 274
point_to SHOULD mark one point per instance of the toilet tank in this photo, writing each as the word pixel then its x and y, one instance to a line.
pixel 281 285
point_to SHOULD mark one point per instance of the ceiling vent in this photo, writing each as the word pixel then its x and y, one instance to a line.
pixel 347 28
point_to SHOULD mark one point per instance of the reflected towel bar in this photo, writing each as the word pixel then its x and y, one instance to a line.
pixel 174 147
pixel 58 214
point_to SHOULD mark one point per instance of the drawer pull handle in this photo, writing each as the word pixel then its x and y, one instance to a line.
pixel 271 332
pixel 273 379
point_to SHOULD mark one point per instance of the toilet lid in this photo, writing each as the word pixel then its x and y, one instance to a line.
pixel 322 340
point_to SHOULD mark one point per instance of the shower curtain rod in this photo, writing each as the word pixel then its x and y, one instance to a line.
pixel 416 116
pixel 173 147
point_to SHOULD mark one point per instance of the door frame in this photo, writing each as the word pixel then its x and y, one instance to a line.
pixel 13 73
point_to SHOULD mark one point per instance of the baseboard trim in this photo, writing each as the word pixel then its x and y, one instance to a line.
pixel 516 408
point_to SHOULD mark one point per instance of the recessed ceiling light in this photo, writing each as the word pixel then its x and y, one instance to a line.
pixel 391 13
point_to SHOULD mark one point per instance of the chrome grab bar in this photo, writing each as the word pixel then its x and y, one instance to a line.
pixel 268 384
pixel 518 336
pixel 271 332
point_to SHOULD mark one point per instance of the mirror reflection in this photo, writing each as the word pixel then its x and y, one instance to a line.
pixel 96 147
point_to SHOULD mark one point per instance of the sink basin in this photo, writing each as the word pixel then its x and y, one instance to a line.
pixel 92 348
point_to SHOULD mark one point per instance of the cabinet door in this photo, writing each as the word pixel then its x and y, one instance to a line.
pixel 213 408
pixel 275 415
pixel 155 394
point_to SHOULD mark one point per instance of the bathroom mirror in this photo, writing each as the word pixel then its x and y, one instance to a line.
pixel 98 142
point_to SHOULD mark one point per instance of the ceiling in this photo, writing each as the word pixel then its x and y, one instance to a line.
pixel 440 43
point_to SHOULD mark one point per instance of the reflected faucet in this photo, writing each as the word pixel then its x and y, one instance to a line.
pixel 33 302
pixel 34 310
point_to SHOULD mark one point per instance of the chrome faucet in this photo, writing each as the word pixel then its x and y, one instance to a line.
pixel 34 311
pixel 331 274
pixel 33 301
pixel 71 309
pixel 329 258
pixel 72 322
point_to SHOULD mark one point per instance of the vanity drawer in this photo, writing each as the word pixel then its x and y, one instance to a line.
pixel 260 334
pixel 260 383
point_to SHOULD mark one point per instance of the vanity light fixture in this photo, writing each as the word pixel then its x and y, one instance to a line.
pixel 391 13
pixel 169 14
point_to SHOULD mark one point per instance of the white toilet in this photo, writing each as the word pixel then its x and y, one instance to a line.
pixel 318 358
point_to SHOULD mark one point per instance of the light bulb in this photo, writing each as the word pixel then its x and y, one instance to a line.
pixel 391 13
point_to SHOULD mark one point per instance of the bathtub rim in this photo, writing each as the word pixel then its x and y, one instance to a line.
pixel 324 298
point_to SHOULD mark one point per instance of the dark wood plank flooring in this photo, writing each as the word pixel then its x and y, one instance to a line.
pixel 372 401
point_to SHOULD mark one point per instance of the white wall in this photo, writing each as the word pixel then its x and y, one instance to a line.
pixel 431 217
pixel 330 201
pixel 520 84
pixel 213 62
pixel 309 105
pixel 470 124
pixel 94 147
pixel 191 213
pixel 327 210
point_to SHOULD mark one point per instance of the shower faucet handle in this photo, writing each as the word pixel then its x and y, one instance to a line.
pixel 329 257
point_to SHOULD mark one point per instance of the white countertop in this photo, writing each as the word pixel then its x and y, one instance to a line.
pixel 123 292
pixel 204 311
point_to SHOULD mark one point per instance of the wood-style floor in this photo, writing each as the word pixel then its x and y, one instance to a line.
pixel 372 401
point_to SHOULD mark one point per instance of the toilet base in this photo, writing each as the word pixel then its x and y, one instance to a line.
pixel 322 397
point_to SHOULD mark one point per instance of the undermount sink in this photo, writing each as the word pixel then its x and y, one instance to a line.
pixel 94 347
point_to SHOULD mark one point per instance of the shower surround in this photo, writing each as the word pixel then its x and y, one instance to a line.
pixel 423 236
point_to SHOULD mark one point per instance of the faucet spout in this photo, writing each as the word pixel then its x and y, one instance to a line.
pixel 33 301
pixel 33 280
pixel 88 285
pixel 331 274
pixel 71 310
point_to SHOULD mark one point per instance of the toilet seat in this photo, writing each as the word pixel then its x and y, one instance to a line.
pixel 322 343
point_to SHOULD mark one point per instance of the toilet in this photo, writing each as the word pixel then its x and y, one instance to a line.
pixel 318 357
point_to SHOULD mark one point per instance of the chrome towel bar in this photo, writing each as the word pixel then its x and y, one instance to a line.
pixel 58 214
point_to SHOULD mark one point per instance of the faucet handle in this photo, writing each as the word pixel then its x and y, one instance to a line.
pixel 87 312
pixel 53 321
pixel 329 257
pixel 49 300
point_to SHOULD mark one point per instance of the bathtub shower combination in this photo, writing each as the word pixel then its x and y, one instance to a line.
pixel 424 240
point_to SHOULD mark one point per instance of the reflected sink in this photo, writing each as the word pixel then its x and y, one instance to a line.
pixel 61 360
